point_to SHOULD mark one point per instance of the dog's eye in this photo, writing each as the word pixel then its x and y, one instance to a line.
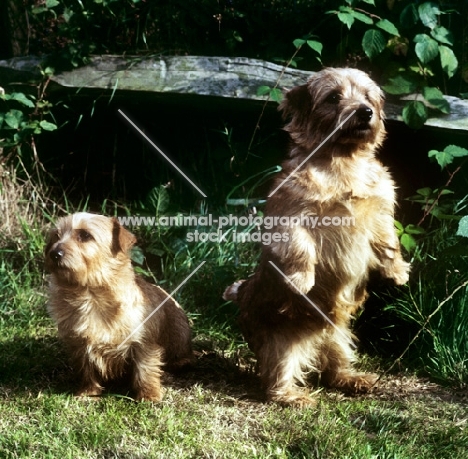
pixel 84 236
pixel 333 98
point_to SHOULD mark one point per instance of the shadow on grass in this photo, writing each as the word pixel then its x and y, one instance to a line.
pixel 37 365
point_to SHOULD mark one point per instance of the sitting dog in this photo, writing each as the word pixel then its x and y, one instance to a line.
pixel 295 310
pixel 112 322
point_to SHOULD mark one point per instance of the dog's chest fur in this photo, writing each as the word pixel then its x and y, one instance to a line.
pixel 96 316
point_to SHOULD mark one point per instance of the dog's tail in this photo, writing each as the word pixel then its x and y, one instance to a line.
pixel 230 294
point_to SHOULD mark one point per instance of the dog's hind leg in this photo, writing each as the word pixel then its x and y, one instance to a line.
pixel 283 364
pixel 337 358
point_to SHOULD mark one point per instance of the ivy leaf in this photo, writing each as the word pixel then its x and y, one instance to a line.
pixel 315 45
pixel 415 114
pixel 444 158
pixel 21 98
pixel 435 97
pixel 428 13
pixel 414 229
pixel 426 48
pixel 263 90
pixel 456 151
pixel 47 126
pixel 408 242
pixel 448 60
pixel 400 85
pixel 362 17
pixel 13 118
pixel 276 95
pixel 442 35
pixel 388 26
pixel 345 16
pixel 298 42
pixel 409 16
pixel 373 43
pixel 463 227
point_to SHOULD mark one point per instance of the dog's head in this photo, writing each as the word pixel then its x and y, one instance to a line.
pixel 87 249
pixel 342 103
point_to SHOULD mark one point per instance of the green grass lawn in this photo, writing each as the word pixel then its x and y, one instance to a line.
pixel 212 411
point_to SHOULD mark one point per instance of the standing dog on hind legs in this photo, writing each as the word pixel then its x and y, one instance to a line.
pixel 111 321
pixel 295 310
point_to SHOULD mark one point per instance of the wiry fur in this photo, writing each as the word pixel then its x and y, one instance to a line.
pixel 328 264
pixel 99 305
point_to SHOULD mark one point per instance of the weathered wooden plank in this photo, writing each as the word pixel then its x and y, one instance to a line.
pixel 237 78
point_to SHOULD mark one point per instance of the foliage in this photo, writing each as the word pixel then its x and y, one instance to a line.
pixel 413 47
pixel 437 303
pixel 22 118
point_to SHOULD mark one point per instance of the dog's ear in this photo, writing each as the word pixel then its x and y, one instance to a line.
pixel 296 106
pixel 122 239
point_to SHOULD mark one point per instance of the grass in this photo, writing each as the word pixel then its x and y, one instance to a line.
pixel 212 411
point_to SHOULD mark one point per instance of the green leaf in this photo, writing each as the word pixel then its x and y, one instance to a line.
pixel 400 85
pixel 426 192
pixel 435 97
pixel 428 13
pixel 448 60
pixel 51 3
pixel 362 17
pixel 21 98
pixel 408 242
pixel 276 95
pixel 442 35
pixel 315 45
pixel 399 228
pixel 463 227
pixel 456 151
pixel 346 18
pixel 373 43
pixel 263 90
pixel 47 126
pixel 13 118
pixel 444 158
pixel 414 229
pixel 409 16
pixel 298 42
pixel 426 48
pixel 137 255
pixel 158 200
pixel 388 26
pixel 415 114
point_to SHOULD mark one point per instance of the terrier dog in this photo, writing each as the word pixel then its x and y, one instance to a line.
pixel 295 310
pixel 113 322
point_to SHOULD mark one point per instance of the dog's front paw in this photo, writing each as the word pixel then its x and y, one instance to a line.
pixel 396 269
pixel 401 271
pixel 89 390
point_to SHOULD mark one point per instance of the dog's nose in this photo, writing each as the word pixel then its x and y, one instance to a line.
pixel 56 254
pixel 364 113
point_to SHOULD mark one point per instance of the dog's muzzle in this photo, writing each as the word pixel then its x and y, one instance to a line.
pixel 364 113
pixel 57 254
